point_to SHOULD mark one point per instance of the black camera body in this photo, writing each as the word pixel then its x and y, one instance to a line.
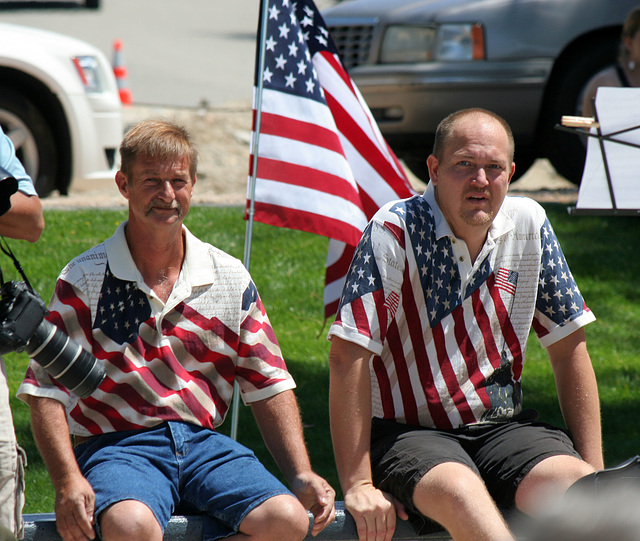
pixel 23 328
pixel 21 311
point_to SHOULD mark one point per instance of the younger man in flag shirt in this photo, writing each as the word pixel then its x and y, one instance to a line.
pixel 176 322
pixel 428 349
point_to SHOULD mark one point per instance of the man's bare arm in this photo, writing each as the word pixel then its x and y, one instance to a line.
pixel 578 395
pixel 350 410
pixel 75 498
pixel 279 421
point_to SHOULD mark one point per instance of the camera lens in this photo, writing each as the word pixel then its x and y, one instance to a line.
pixel 65 360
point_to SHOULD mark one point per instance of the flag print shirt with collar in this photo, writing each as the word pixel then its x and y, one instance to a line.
pixel 165 361
pixel 448 336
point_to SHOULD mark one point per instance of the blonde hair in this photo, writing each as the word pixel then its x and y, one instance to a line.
pixel 157 139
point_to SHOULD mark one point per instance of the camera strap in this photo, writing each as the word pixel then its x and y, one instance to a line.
pixel 4 246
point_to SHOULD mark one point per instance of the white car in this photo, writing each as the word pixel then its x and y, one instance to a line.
pixel 60 105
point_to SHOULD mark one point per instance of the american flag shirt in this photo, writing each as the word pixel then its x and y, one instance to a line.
pixel 176 361
pixel 448 336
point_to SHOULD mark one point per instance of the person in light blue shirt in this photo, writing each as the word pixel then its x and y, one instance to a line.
pixel 24 219
pixel 21 220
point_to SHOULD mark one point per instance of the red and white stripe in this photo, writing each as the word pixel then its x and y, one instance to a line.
pixel 325 169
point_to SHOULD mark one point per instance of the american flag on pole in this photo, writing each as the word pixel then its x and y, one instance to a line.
pixel 323 165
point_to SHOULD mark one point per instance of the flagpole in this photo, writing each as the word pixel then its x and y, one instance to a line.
pixel 235 404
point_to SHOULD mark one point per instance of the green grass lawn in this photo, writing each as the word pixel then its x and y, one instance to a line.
pixel 288 268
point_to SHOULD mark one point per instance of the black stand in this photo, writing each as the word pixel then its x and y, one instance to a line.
pixel 613 137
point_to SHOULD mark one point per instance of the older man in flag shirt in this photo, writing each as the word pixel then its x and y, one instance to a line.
pixel 429 343
pixel 176 322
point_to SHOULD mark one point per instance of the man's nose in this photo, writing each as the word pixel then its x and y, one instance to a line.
pixel 166 190
pixel 481 177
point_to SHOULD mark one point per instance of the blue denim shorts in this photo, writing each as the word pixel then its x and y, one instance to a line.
pixel 178 468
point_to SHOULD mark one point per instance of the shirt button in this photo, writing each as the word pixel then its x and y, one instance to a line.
pixel 461 258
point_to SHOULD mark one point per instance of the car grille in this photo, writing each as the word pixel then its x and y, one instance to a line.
pixel 353 43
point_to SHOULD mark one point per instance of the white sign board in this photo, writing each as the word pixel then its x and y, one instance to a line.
pixel 618 150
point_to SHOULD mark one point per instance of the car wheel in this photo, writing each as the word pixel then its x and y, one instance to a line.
pixel 32 136
pixel 566 151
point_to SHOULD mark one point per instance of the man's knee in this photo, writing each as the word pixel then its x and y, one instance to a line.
pixel 549 479
pixel 449 484
pixel 279 518
pixel 456 497
pixel 127 520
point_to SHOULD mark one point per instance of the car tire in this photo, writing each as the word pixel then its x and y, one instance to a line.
pixel 33 138
pixel 566 151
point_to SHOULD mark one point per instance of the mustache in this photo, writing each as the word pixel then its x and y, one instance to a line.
pixel 158 204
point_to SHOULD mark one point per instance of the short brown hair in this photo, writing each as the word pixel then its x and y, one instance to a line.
pixel 445 129
pixel 157 139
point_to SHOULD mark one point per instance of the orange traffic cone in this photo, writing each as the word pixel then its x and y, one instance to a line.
pixel 120 71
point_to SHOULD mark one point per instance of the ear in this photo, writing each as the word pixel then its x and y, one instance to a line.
pixel 513 170
pixel 123 184
pixel 432 165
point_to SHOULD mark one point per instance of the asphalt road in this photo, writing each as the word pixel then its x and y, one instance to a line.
pixel 178 53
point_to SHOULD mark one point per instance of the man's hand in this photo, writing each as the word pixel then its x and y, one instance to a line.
pixel 317 496
pixel 75 504
pixel 374 512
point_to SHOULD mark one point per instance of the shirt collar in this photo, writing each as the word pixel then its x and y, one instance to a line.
pixel 197 266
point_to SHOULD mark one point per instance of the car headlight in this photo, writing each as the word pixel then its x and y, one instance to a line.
pixel 447 42
pixel 89 71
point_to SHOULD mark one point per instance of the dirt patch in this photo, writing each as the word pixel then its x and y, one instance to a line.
pixel 542 183
pixel 223 137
